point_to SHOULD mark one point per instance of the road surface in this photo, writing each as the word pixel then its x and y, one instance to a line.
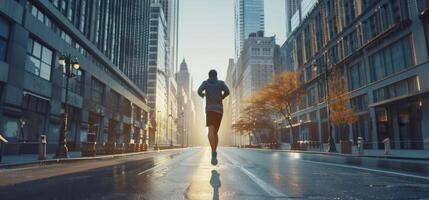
pixel 240 174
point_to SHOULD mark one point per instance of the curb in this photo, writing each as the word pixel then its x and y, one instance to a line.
pixel 77 159
pixel 342 155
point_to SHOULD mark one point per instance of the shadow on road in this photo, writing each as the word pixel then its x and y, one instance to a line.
pixel 215 183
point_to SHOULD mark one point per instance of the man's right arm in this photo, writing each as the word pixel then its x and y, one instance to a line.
pixel 201 89
pixel 225 90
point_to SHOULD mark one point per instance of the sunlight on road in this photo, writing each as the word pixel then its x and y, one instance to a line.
pixel 205 183
pixel 294 156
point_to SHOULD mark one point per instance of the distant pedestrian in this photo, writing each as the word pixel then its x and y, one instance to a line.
pixel 215 91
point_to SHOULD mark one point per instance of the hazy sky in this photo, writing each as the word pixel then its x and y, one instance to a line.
pixel 206 33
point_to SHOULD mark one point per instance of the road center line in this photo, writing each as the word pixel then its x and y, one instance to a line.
pixel 368 169
pixel 269 189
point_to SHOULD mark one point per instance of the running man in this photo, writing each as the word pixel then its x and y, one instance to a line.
pixel 215 91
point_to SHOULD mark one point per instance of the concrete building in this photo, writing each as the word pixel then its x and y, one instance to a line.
pixel 199 128
pixel 254 69
pixel 249 18
pixel 102 96
pixel 158 78
pixel 380 49
pixel 226 136
pixel 186 107
pixel 163 49
pixel 292 6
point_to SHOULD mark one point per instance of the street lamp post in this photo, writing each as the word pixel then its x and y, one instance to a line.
pixel 68 63
pixel 171 130
pixel 331 144
pixel 158 129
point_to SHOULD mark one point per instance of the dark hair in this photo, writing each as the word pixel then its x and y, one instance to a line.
pixel 212 73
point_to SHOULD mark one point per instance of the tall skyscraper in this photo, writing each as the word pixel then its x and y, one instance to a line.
pixel 291 7
pixel 163 62
pixel 157 90
pixel 109 40
pixel 171 15
pixel 249 18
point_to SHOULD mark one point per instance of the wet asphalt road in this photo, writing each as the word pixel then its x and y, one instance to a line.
pixel 241 174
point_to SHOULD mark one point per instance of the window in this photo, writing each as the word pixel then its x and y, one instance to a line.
pixel 35 104
pixel 10 127
pixel 311 93
pixel 97 91
pixel 256 52
pixel 4 35
pixel 360 103
pixel 391 59
pixel 39 60
pixel 357 76
pixel 114 101
pixel 266 51
pixel 400 88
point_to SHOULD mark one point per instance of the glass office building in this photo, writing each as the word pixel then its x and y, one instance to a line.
pixel 109 39
pixel 249 18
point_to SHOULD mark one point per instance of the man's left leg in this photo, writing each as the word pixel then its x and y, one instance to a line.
pixel 213 138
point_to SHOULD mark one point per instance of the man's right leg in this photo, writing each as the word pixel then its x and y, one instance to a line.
pixel 213 138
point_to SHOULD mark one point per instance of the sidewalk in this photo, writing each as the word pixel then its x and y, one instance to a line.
pixel 394 154
pixel 400 154
pixel 30 158
pixel 10 161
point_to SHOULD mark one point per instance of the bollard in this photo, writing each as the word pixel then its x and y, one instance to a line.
pixel 386 146
pixel 42 147
pixel 360 145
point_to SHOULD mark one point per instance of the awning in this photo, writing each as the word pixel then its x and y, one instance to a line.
pixel 423 94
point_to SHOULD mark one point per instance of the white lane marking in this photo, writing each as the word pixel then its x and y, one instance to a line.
pixel 368 169
pixel 166 162
pixel 269 189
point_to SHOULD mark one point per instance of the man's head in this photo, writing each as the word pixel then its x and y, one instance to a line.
pixel 212 73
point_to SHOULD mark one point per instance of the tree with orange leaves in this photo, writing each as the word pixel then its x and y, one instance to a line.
pixel 253 117
pixel 280 95
pixel 341 114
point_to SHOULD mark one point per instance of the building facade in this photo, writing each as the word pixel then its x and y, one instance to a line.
pixel 380 48
pixel 102 99
pixel 254 69
pixel 186 107
pixel 226 136
pixel 158 80
pixel 249 18
pixel 162 86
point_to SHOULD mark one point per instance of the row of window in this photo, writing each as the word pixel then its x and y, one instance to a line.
pixel 391 59
pixel 305 45
pixel 4 35
pixel 400 88
pixel 265 51
pixel 76 87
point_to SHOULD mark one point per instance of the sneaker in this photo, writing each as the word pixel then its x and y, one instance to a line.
pixel 214 158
